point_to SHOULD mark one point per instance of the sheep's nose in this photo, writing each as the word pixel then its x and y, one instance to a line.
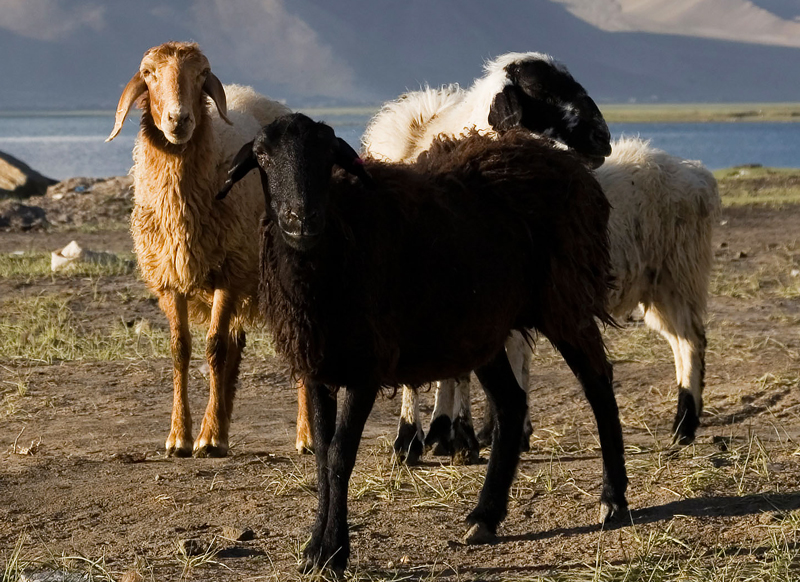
pixel 299 224
pixel 178 117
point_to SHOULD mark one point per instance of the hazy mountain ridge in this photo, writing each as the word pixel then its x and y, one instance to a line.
pixel 308 52
pixel 770 22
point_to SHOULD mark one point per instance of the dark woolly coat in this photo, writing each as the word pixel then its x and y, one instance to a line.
pixel 422 277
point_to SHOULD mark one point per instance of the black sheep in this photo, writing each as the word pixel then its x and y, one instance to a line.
pixel 358 270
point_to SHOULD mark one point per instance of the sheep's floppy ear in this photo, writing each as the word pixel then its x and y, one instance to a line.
pixel 347 158
pixel 216 91
pixel 506 109
pixel 244 161
pixel 135 87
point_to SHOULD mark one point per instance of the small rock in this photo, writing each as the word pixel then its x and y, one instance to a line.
pixel 17 216
pixel 238 534
pixel 129 458
pixel 192 547
pixel 794 272
pixel 73 253
pixel 742 255
pixel 723 245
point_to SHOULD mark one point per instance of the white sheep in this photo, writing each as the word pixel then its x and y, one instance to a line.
pixel 197 255
pixel 663 211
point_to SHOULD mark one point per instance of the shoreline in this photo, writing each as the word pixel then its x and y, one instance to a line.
pixel 613 112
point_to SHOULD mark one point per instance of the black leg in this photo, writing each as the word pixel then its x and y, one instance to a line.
pixel 590 366
pixel 358 401
pixel 508 399
pixel 323 405
pixel 486 432
pixel 687 419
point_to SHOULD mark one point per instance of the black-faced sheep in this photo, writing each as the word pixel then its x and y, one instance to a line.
pixel 198 257
pixel 663 212
pixel 411 274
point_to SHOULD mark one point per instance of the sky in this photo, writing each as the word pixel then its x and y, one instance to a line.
pixel 68 54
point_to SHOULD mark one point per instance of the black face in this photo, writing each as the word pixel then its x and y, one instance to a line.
pixel 295 156
pixel 545 99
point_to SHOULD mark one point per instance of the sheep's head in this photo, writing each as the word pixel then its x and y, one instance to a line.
pixel 295 156
pixel 175 77
pixel 543 97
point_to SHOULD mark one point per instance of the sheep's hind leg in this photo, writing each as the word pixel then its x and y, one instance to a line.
pixel 213 438
pixel 179 441
pixel 682 326
pixel 439 439
pixel 508 400
pixel 304 441
pixel 408 443
pixel 586 358
pixel 334 551
pixel 466 450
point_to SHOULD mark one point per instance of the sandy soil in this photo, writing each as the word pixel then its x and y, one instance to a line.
pixel 97 484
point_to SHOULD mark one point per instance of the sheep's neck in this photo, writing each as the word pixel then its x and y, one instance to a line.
pixel 176 186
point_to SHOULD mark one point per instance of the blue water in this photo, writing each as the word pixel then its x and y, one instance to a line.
pixel 64 146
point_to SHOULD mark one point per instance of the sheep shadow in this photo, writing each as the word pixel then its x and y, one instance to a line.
pixel 726 506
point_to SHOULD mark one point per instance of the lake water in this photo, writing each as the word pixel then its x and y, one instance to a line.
pixel 62 146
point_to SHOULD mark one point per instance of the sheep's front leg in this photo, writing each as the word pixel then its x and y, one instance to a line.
pixel 322 404
pixel 213 438
pixel 519 356
pixel 179 441
pixel 508 400
pixel 304 442
pixel 408 443
pixel 334 551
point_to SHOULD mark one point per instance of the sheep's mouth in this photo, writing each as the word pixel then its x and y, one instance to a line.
pixel 594 162
pixel 301 241
pixel 178 137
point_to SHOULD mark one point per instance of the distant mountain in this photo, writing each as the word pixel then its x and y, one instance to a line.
pixel 771 22
pixel 67 54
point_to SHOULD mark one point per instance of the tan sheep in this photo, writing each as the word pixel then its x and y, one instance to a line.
pixel 198 255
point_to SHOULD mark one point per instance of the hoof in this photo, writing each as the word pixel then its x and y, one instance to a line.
pixel 408 444
pixel 686 419
pixel 313 562
pixel 181 452
pixel 479 533
pixel 466 450
pixel 210 452
pixel 525 443
pixel 304 448
pixel 439 439
pixel 179 447
pixel 614 512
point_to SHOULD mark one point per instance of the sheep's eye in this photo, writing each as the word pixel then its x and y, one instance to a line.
pixel 148 74
pixel 203 74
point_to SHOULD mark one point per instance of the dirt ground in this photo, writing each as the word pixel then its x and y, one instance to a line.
pixel 85 486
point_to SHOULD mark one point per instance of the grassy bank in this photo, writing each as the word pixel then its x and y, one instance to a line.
pixel 700 112
pixel 759 185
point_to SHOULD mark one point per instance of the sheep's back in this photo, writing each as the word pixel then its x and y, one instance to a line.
pixel 664 210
